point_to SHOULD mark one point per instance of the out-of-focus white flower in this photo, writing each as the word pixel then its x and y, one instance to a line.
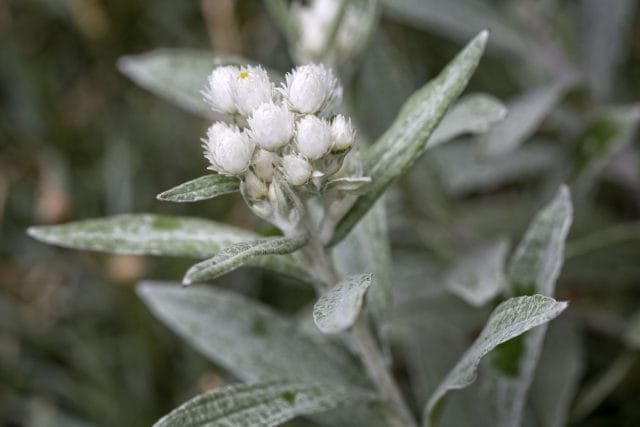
pixel 263 164
pixel 271 126
pixel 314 24
pixel 228 149
pixel 252 88
pixel 313 137
pixel 342 133
pixel 220 89
pixel 297 169
pixel 310 88
pixel 254 187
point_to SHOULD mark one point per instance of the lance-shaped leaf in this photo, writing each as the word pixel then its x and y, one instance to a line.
pixel 475 113
pixel 241 253
pixel 510 319
pixel 147 234
pixel 403 143
pixel 203 188
pixel 177 75
pixel 338 309
pixel 526 112
pixel 261 404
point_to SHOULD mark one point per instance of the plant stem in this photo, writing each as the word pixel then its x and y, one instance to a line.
pixel 396 411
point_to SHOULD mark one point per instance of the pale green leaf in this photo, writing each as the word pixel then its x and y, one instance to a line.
pixel 510 319
pixel 352 185
pixel 203 188
pixel 241 253
pixel 262 404
pixel 475 113
pixel 403 143
pixel 279 11
pixel 177 75
pixel 147 234
pixel 526 113
pixel 478 276
pixel 537 260
pixel 338 309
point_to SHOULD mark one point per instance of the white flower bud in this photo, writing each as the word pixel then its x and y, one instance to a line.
pixel 310 88
pixel 313 137
pixel 220 89
pixel 252 88
pixel 342 133
pixel 254 188
pixel 297 169
pixel 271 126
pixel 263 163
pixel 228 149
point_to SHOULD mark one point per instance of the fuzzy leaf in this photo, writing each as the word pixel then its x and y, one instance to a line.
pixel 241 253
pixel 479 275
pixel 352 185
pixel 147 234
pixel 510 319
pixel 403 143
pixel 177 75
pixel 338 309
pixel 203 188
pixel 475 113
pixel 262 404
pixel 526 112
pixel 245 337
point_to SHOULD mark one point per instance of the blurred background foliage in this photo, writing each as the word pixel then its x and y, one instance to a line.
pixel 78 140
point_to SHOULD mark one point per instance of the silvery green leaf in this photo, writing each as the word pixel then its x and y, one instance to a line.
pixel 510 319
pixel 606 32
pixel 478 276
pixel 203 188
pixel 461 169
pixel 148 234
pixel 537 260
pixel 403 143
pixel 475 113
pixel 234 256
pixel 338 309
pixel 461 19
pixel 558 374
pixel 177 75
pixel 261 404
pixel 353 185
pixel 526 112
pixel 245 337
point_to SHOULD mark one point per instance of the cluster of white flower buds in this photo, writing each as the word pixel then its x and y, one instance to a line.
pixel 289 131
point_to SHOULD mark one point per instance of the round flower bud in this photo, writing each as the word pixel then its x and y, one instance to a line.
pixel 263 163
pixel 342 133
pixel 252 88
pixel 310 88
pixel 271 126
pixel 313 137
pixel 253 187
pixel 219 91
pixel 297 170
pixel 228 149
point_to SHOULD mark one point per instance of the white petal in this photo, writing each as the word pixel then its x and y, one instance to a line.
pixel 297 169
pixel 271 126
pixel 313 137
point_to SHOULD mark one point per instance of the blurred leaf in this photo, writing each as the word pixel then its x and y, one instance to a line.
pixel 241 253
pixel 526 112
pixel 338 309
pixel 478 276
pixel 396 151
pixel 631 336
pixel 177 75
pixel 279 11
pixel 462 169
pixel 264 404
pixel 475 113
pixel 203 188
pixel 245 337
pixel 461 19
pixel 147 234
pixel 510 319
pixel 352 185
pixel 606 32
